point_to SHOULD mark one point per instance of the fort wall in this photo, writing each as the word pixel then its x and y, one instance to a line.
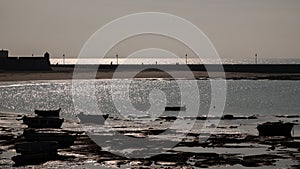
pixel 41 63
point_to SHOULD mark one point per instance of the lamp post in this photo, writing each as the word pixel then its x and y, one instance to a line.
pixel 255 58
pixel 186 59
pixel 117 59
pixel 64 59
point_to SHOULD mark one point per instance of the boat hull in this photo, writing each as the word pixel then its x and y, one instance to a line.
pixel 31 159
pixel 175 108
pixel 275 129
pixel 43 122
pixel 92 119
pixel 64 139
pixel 36 147
pixel 47 113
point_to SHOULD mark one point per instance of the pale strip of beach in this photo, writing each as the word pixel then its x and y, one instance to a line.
pixel 59 73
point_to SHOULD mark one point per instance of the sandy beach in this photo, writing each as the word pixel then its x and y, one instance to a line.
pixel 63 73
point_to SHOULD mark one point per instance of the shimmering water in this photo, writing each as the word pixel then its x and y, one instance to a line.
pixel 244 97
pixel 175 60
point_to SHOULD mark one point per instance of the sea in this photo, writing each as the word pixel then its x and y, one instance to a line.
pixel 264 99
pixel 150 61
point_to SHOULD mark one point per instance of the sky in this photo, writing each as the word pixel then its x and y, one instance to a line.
pixel 237 28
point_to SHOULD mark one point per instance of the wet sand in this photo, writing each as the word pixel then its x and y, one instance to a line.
pixel 234 144
pixel 62 73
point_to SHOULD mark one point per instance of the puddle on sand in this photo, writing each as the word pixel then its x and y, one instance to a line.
pixel 221 150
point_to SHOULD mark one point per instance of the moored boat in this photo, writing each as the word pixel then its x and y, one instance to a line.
pixel 168 118
pixel 275 129
pixel 63 138
pixel 42 122
pixel 47 113
pixel 175 108
pixel 37 158
pixel 36 147
pixel 92 119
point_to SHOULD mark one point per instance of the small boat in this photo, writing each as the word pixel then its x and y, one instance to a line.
pixel 92 119
pixel 287 116
pixel 42 122
pixel 168 118
pixel 36 147
pixel 147 116
pixel 275 129
pixel 48 113
pixel 63 138
pixel 37 158
pixel 175 108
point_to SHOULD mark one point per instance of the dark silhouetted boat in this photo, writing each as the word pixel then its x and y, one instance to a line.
pixel 287 116
pixel 36 147
pixel 42 122
pixel 47 113
pixel 63 138
pixel 92 119
pixel 168 118
pixel 275 129
pixel 175 108
pixel 228 117
pixel 33 159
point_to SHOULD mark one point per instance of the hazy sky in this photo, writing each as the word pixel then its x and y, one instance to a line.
pixel 237 28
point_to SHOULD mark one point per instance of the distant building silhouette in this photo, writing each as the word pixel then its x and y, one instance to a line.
pixel 24 63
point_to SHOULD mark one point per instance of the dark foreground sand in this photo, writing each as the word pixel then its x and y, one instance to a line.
pixel 221 150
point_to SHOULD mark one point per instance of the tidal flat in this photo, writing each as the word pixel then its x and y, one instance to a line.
pixel 234 144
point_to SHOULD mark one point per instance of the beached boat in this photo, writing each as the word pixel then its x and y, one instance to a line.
pixel 92 119
pixel 42 122
pixel 48 113
pixel 175 108
pixel 275 129
pixel 168 118
pixel 36 147
pixel 37 158
pixel 132 116
pixel 63 138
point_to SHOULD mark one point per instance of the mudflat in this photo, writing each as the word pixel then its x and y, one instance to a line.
pixel 64 73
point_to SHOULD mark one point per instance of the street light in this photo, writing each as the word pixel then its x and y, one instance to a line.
pixel 117 59
pixel 186 61
pixel 255 58
pixel 64 59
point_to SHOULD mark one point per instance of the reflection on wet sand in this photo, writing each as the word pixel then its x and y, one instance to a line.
pixel 40 142
pixel 235 143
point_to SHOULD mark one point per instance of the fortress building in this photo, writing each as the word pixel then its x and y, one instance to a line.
pixel 34 63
